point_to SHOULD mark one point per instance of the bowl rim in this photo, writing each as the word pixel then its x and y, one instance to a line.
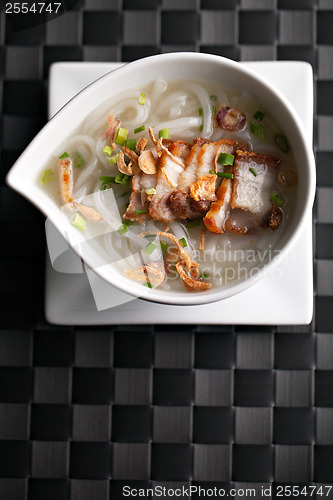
pixel 186 298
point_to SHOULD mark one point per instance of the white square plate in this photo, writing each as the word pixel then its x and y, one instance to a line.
pixel 285 296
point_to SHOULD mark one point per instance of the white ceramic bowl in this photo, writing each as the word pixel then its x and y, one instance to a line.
pixel 22 177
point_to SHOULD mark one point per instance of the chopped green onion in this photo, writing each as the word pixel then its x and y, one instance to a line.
pixel 183 242
pixel 164 246
pixel 201 128
pixel 282 143
pixel 142 99
pixel 140 211
pixel 105 186
pixel 150 248
pixel 130 144
pixel 139 129
pixel 253 171
pixel 147 284
pixel 113 159
pixel 258 116
pixel 151 191
pixel 204 276
pixel 64 155
pixel 47 176
pixel 78 221
pixel 200 111
pixel 226 159
pixel 258 130
pixel 214 110
pixel 107 178
pixel 213 97
pixel 77 160
pixel 225 175
pixel 107 150
pixel 277 198
pixel 164 133
pixel 193 223
pixel 124 227
pixel 121 136
pixel 122 179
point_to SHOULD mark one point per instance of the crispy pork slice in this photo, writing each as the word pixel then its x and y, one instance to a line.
pixel 254 176
pixel 210 151
pixel 180 148
pixel 137 209
pixel 169 169
pixel 274 217
pixel 180 199
pixel 204 188
pixel 215 218
pixel 139 199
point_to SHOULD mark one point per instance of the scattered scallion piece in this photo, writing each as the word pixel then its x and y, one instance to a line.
pixel 122 179
pixel 277 198
pixel 164 133
pixel 147 284
pixel 225 175
pixel 139 129
pixel 258 116
pixel 113 159
pixel 183 242
pixel 151 191
pixel 282 143
pixel 214 110
pixel 253 171
pixel 204 276
pixel 47 176
pixel 213 97
pixel 64 155
pixel 148 250
pixel 226 159
pixel 107 178
pixel 140 211
pixel 124 228
pixel 78 160
pixel 193 223
pixel 78 221
pixel 201 128
pixel 164 246
pixel 121 136
pixel 200 111
pixel 107 150
pixel 142 99
pixel 258 130
pixel 130 144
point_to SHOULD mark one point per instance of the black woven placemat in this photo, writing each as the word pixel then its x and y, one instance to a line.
pixel 86 411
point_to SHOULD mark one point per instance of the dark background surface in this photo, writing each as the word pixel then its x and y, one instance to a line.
pixel 171 405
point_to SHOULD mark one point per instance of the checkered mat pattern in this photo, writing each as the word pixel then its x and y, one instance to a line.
pixel 84 411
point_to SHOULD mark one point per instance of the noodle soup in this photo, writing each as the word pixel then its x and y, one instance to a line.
pixel 181 185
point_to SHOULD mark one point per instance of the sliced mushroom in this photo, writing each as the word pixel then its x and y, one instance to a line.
pixel 231 119
pixel 288 176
